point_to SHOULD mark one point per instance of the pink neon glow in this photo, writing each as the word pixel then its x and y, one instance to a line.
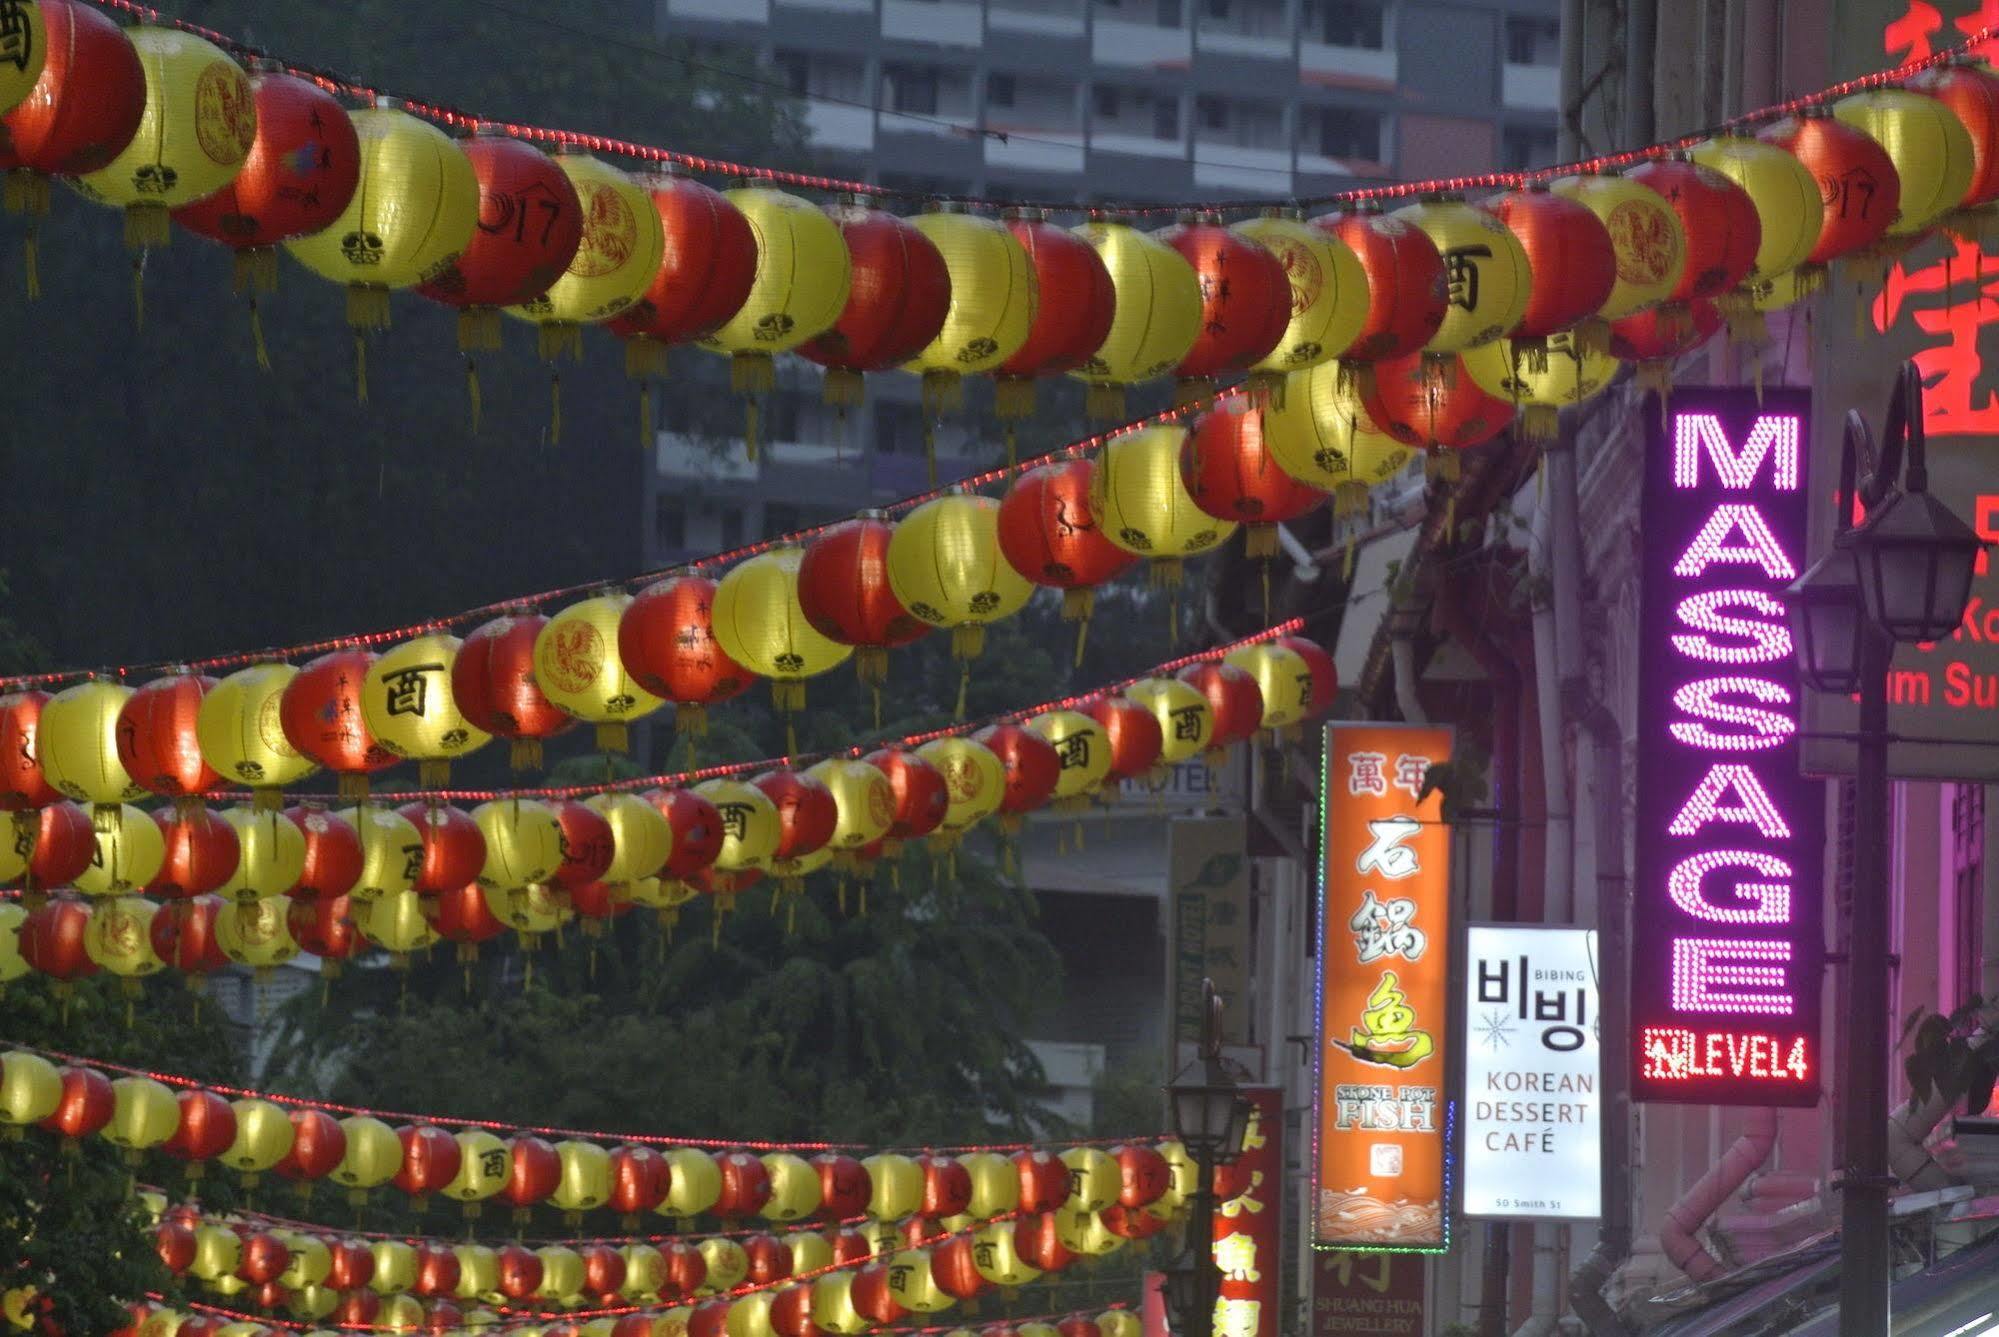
pixel 1753 805
pixel 1731 975
pixel 1768 637
pixel 1695 434
pixel 1757 546
pixel 1767 902
pixel 1765 728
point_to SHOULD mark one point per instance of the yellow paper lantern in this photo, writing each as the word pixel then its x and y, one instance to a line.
pixel 673 1322
pixel 1925 140
pixel 313 1302
pixel 1142 505
pixel 1186 720
pixel 483 1168
pixel 241 736
pixel 1645 236
pixel 898 1186
pixel 1785 195
pixel 695 1185
pixel 1084 1233
pixel 863 797
pixel 993 300
pixel 270 854
pixel 78 745
pixel 1328 294
pixel 23 53
pixel 750 824
pixel 16 844
pixel 995 1184
pixel 623 243
pixel 1570 375
pixel 399 1312
pixel 1322 436
pixel 945 566
pixel 263 1137
pixel 645 1273
pixel 523 843
pixel 758 623
pixel 1085 750
pixel 394 922
pixel 749 1316
pixel 412 214
pixel 727 1263
pixel 130 850
pixel 395 1267
pixel 217 1252
pixel 1284 678
pixel 1487 268
pixel 119 937
pixel 833 1305
pixel 1036 1330
pixel 800 288
pixel 1158 314
pixel 641 837
pixel 1094 1178
pixel 199 123
pixel 30 1088
pixel 167 1322
pixel 478 1271
pixel 576 665
pixel 373 1154
pixel 974 781
pixel 407 703
pixel 310 1262
pixel 1119 1323
pixel 391 850
pixel 913 1285
pixel 257 933
pixel 585 1181
pixel 12 964
pixel 144 1114
pixel 996 1258
pixel 809 1251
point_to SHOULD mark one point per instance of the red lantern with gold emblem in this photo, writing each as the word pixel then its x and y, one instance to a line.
pixel 1072 318
pixel 52 939
pixel 1132 1223
pixel 790 1313
pixel 918 789
pixel 431 1158
pixel 745 1185
pixel 1044 1181
pixel 806 812
pixel 1569 255
pixel 174 1242
pixel 603 1272
pixel 1038 1241
pixel 843 591
pixel 1406 293
pixel 873 1299
pixel 1245 300
pixel 900 295
pixel 202 851
pixel 454 850
pixel 1134 734
pixel 533 1171
pixel 1722 226
pixel 844 1183
pixel 262 1256
pixel 320 712
pixel 207 1127
pixel 587 847
pixel 947 1186
pixel 183 936
pixel 437 1272
pixel 640 1178
pixel 1046 533
pixel 530 225
pixel 85 1106
pixel 65 844
pixel 706 271
pixel 1435 406
pixel 521 1271
pixel 697 831
pixel 333 854
pixel 22 783
pixel 769 1260
pixel 324 926
pixel 465 916
pixel 1234 697
pixel 1971 90
pixel 1858 185
pixel 1032 768
pixel 351 1266
pixel 666 640
pixel 492 682
pixel 954 1267
pixel 1143 1174
pixel 1229 473
pixel 1656 338
pixel 156 738
pixel 686 1269
pixel 82 111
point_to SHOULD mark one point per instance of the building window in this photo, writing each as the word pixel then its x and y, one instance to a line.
pixel 669 524
pixel 1211 113
pixel 999 90
pixel 898 428
pixel 1533 42
pixel 1170 15
pixel 1105 100
pixel 1166 118
pixel 732 528
pixel 1522 148
pixel 911 88
pixel 796 68
pixel 1353 23
pixel 1349 132
pixel 1967 846
pixel 1215 9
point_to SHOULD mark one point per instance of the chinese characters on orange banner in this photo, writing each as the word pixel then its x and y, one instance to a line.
pixel 1379 1126
pixel 1921 30
pixel 1248 1253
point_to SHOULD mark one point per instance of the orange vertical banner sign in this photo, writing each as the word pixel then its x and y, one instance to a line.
pixel 1379 1127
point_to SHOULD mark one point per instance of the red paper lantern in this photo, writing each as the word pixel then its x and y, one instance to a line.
pixel 357 1309
pixel 1655 335
pixel 1435 406
pixel 52 939
pixel 1569 256
pixel 530 224
pixel 320 712
pixel 603 1272
pixel 954 1267
pixel 202 852
pixel 1132 1223
pixel 520 1271
pixel 156 739
pixel 174 1243
pixel 1722 226
pixel 1245 299
pixel 1044 1181
pixel 437 1271
pixel 207 1127
pixel 947 1186
pixel 1038 1241
pixel 351 1266
pixel 1858 183
pixel 900 295
pixel 1325 673
pixel 1031 764
pixel 1134 734
pixel 1072 318
pixel 431 1158
pixel 1075 1326
pixel 745 1185
pixel 697 831
pixel 640 1178
pixel 453 849
pixel 86 1104
pixel 65 844
pixel 534 1170
pixel 183 936
pixel 921 796
pixel 333 857
pixel 493 684
pixel 85 107
pixel 318 1145
pixel 705 273
pixel 1229 473
pixel 587 845
pixel 769 1260
pixel 298 177
pixel 850 1246
pixel 1046 533
pixel 1143 1174
pixel 262 1257
pixel 709 1319
pixel 872 1297
pixel 686 1269
pixel 1970 90
pixel 844 1186
pixel 1406 292
pixel 843 590
pixel 22 784
pixel 463 915
pixel 1233 696
pixel 666 640
pixel 806 812
pixel 599 901
pixel 324 926
pixel 790 1313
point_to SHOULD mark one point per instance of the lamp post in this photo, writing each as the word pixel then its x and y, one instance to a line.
pixel 1903 576
pixel 1210 1117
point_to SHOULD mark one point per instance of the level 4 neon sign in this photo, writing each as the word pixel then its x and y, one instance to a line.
pixel 1727 956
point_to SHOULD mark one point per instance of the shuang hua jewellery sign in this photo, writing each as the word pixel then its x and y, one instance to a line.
pixel 1727 953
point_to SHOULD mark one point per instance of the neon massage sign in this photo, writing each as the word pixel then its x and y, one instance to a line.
pixel 1726 956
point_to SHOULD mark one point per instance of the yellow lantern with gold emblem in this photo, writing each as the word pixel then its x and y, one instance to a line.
pixel 1328 295
pixel 802 278
pixel 833 1305
pixel 760 624
pixel 576 665
pixel 484 1167
pixel 1186 720
pixel 395 1267
pixel 119 937
pixel 974 781
pixel 407 704
pixel 1572 373
pixel 1084 1232
pixel 641 837
pixel 1645 236
pixel 130 850
pixel 1119 1323
pixel 394 922
pixel 913 1285
pixel 996 1258
pixel 24 52
pixel 258 934
pixel 1185 1175
pixel 1094 1178
pixel 77 742
pixel 270 854
pixel 794 1187
pixel 646 1274
pixel 727 1263
pixel 310 1262
pixel 695 1185
pixel 995 1184
pixel 862 797
pixel 749 1316
pixel 239 730
pixel 993 301
pixel 12 964
pixel 391 850
pixel 374 1154
pixel 144 1114
pixel 1282 676
pixel 945 566
pixel 1928 144
pixel 523 843
pixel 623 243
pixel 478 1271
pixel 1084 749
pixel 585 1180
pixel 751 828
pixel 30 1088
pixel 263 1137
pixel 217 1252
pixel 1788 205
pixel 898 1185
pixel 810 1251
pixel 199 123
pixel 1322 436
pixel 412 214
pixel 1157 318
pixel 1141 503
pixel 400 1313
pixel 1487 268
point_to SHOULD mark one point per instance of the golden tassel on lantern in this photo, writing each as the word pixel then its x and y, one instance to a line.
pixel 559 339
pixel 263 353
pixel 1104 403
pixel 1442 464
pixel 478 329
pixel 844 388
pixel 614 736
pixel 25 192
pixel 645 357
pixel 146 226
pixel 1013 397
pixel 1191 390
pixel 1077 605
pixel 1266 390
pixel 475 403
pixel 1260 541
pixel 254 269
pixel 690 720
pixel 751 374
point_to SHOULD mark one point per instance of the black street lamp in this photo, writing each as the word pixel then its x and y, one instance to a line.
pixel 1210 1117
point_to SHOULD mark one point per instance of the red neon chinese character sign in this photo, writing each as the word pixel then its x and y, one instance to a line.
pixel 1726 968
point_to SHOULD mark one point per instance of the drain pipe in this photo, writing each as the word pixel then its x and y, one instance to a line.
pixel 1690 1213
